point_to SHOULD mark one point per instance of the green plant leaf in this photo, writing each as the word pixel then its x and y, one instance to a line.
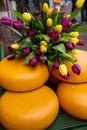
pixel 69 57
pixel 75 26
pixel 31 55
pixel 60 48
pixel 81 29
pixel 19 15
pixel 74 13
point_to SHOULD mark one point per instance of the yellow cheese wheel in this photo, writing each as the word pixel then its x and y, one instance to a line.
pixel 73 99
pixel 16 76
pixel 74 78
pixel 33 110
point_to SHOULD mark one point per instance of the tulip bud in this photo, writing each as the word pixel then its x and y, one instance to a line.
pixel 81 42
pixel 74 40
pixel 58 28
pixel 6 20
pixel 15 46
pixel 43 43
pixel 76 69
pixel 74 34
pixel 27 16
pixel 33 61
pixel 69 45
pixel 45 7
pixel 63 69
pixel 49 22
pixel 26 51
pixel 56 64
pixel 17 25
pixel 79 3
pixel 43 49
pixel 74 52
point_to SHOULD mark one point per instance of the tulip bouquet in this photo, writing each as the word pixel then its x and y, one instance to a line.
pixel 46 36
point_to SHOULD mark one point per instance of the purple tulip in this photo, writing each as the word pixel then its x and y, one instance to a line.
pixel 9 47
pixel 69 45
pixel 66 76
pixel 62 10
pixel 6 20
pixel 50 68
pixel 56 64
pixel 26 51
pixel 33 61
pixel 50 32
pixel 81 42
pixel 31 32
pixel 76 69
pixel 66 22
pixel 17 25
pixel 37 52
pixel 11 57
pixel 65 29
pixel 55 36
pixel 42 57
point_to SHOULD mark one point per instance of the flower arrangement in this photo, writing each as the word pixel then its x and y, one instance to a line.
pixel 47 36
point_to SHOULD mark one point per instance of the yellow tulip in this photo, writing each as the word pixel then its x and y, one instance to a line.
pixel 43 49
pixel 58 28
pixel 45 7
pixel 63 69
pixel 43 43
pixel 68 16
pixel 49 22
pixel 15 46
pixel 74 51
pixel 79 3
pixel 74 34
pixel 27 16
pixel 74 40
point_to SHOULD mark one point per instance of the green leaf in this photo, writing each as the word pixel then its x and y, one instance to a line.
pixel 74 13
pixel 31 55
pixel 55 21
pixel 75 26
pixel 69 57
pixel 50 62
pixel 19 15
pixel 81 29
pixel 60 48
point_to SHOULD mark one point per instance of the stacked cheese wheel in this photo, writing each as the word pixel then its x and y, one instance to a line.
pixel 72 93
pixel 27 104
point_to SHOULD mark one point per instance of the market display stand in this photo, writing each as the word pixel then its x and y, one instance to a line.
pixel 63 120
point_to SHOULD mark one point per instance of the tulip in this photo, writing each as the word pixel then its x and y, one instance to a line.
pixel 26 51
pixel 31 33
pixel 6 20
pixel 27 16
pixel 50 32
pixel 58 28
pixel 63 69
pixel 74 40
pixel 33 61
pixel 17 25
pixel 49 22
pixel 66 76
pixel 81 42
pixel 45 7
pixel 76 69
pixel 37 52
pixel 41 57
pixel 65 29
pixel 56 64
pixel 74 51
pixel 74 34
pixel 66 22
pixel 79 3
pixel 43 49
pixel 69 45
pixel 55 36
pixel 11 57
pixel 43 43
pixel 50 68
pixel 9 47
pixel 15 46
